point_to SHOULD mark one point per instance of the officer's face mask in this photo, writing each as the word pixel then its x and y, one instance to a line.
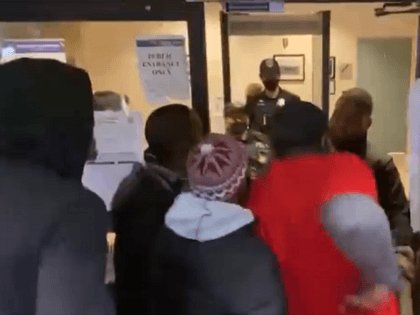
pixel 271 85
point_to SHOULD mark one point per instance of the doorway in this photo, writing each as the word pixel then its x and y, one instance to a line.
pixel 301 40
pixel 384 69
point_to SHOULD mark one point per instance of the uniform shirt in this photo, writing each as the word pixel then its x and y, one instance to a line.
pixel 261 108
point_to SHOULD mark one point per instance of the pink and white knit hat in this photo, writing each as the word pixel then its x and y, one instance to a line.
pixel 217 167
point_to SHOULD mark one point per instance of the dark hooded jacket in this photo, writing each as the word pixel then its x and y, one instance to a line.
pixel 53 231
pixel 139 209
pixel 209 261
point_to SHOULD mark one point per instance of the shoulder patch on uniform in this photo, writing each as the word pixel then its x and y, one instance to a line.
pixel 281 102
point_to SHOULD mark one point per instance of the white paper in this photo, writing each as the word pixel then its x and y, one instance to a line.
pixel 13 49
pixel 119 138
pixel 163 69
pixel 105 179
pixel 120 143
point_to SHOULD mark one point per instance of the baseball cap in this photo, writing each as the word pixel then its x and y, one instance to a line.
pixel 269 69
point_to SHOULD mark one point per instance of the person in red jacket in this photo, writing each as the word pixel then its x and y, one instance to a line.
pixel 318 212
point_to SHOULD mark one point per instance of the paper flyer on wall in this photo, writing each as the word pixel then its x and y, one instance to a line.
pixel 119 137
pixel 119 144
pixel 12 49
pixel 163 70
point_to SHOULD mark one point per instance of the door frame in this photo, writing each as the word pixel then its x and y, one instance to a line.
pixel 113 10
pixel 326 20
pixel 418 50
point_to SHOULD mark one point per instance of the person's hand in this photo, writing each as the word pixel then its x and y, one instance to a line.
pixel 371 300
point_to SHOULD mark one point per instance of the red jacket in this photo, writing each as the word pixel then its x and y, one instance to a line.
pixel 287 202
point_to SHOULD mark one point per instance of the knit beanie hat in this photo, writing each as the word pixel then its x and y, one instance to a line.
pixel 217 167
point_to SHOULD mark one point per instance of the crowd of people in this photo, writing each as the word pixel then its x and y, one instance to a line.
pixel 287 213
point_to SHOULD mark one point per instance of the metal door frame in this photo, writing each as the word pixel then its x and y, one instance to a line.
pixel 326 18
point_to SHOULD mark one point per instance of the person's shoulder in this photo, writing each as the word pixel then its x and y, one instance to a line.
pixel 76 199
pixel 378 160
pixel 253 101
pixel 247 255
pixel 89 199
pixel 291 96
pixel 129 185
pixel 147 183
pixel 244 250
pixel 257 97
pixel 345 162
pixel 347 173
pixel 244 242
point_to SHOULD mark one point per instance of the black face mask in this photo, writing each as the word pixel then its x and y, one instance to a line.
pixel 271 85
pixel 353 144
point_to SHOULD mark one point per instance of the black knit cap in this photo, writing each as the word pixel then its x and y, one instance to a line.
pixel 297 124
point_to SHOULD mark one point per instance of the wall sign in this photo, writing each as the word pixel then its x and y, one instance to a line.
pixel 12 49
pixel 163 68
pixel 346 71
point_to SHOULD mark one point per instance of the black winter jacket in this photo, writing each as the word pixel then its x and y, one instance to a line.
pixel 52 230
pixel 140 205
pixel 391 192
pixel 392 197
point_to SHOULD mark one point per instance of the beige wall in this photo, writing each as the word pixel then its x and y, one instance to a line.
pixel 106 50
pixel 348 23
pixel 214 65
pixel 247 52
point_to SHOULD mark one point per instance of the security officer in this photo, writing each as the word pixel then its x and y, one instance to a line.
pixel 261 107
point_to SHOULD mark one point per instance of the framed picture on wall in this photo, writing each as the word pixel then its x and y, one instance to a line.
pixel 332 67
pixel 292 67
